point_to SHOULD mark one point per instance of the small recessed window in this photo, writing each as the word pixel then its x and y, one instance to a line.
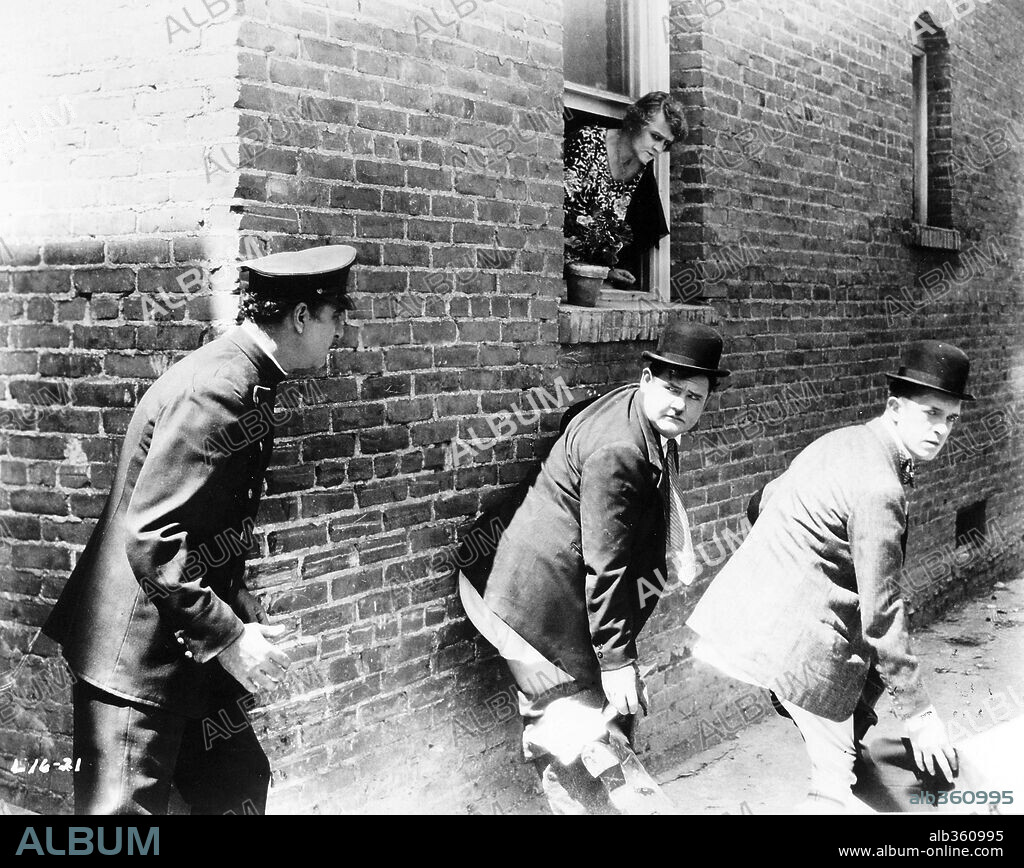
pixel 933 187
pixel 970 524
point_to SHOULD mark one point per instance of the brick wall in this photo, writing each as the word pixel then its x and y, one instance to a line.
pixel 802 205
pixel 808 173
pixel 429 136
pixel 791 211
pixel 455 304
pixel 111 267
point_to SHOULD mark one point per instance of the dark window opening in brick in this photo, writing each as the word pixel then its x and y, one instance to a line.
pixel 933 135
pixel 970 524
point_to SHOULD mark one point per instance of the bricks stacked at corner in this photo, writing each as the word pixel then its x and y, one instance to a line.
pixel 432 143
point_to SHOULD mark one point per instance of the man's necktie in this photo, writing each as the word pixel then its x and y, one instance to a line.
pixel 680 559
pixel 907 471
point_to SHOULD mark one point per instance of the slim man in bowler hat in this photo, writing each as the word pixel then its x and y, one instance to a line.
pixel 155 621
pixel 562 603
pixel 809 606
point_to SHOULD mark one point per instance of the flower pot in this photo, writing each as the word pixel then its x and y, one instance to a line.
pixel 584 283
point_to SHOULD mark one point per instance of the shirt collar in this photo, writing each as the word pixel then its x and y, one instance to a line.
pixel 901 450
pixel 885 430
pixel 663 441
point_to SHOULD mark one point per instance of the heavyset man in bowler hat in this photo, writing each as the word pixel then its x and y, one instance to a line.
pixel 809 606
pixel 155 621
pixel 562 602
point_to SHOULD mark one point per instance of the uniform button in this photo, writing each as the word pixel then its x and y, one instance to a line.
pixel 250 494
pixel 189 654
pixel 181 640
pixel 600 654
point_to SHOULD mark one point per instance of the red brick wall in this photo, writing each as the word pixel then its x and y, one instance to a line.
pixel 432 143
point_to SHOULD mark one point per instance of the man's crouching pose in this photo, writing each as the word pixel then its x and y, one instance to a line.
pixel 810 607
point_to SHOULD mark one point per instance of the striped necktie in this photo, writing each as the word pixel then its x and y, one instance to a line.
pixel 680 559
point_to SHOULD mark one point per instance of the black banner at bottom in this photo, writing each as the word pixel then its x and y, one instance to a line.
pixel 842 837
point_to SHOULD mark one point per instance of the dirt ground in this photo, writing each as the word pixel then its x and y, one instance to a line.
pixel 974 671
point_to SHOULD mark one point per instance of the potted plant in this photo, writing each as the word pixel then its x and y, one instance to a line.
pixel 594 247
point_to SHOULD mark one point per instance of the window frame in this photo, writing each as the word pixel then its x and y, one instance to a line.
pixel 929 228
pixel 920 132
pixel 648 65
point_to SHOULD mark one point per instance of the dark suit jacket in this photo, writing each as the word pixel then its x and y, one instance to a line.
pixel 566 572
pixel 165 562
pixel 811 598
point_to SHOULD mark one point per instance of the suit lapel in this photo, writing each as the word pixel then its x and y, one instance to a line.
pixel 877 427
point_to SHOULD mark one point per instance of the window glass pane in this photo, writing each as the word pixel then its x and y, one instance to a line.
pixel 596 44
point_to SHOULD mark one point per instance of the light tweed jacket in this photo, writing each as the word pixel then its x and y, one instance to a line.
pixel 811 599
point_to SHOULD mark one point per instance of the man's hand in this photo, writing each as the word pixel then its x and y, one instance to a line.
pixel 254 662
pixel 933 752
pixel 625 690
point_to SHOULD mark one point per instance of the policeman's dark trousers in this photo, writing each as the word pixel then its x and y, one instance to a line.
pixel 132 753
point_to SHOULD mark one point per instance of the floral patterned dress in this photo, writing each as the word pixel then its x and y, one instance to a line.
pixel 591 193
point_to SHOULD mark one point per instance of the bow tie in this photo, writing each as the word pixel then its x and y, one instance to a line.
pixel 907 471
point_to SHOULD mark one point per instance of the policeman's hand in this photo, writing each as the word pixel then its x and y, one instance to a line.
pixel 249 609
pixel 252 660
pixel 933 752
pixel 624 689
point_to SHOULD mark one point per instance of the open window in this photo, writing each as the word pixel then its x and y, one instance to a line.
pixel 615 51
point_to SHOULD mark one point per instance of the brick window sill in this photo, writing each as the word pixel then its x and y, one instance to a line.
pixel 934 237
pixel 625 316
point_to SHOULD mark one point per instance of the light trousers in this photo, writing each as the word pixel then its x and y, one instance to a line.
pixel 560 717
pixel 832 750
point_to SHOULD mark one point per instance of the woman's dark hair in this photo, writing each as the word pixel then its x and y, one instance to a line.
pixel 645 109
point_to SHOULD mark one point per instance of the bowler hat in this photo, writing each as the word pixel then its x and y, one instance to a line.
pixel 937 366
pixel 319 271
pixel 692 346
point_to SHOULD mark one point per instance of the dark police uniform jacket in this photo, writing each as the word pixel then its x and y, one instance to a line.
pixel 567 571
pixel 149 603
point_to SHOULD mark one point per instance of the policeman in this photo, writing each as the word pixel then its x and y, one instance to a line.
pixel 155 621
